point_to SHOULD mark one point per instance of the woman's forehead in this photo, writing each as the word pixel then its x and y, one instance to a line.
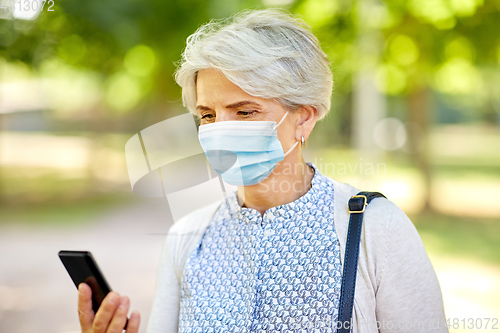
pixel 213 89
pixel 211 83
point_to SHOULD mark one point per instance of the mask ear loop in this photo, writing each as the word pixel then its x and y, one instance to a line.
pixel 296 142
pixel 276 126
pixel 290 150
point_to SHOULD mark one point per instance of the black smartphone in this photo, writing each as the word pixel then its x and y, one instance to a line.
pixel 82 267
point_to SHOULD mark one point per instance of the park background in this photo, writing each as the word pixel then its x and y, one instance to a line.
pixel 417 92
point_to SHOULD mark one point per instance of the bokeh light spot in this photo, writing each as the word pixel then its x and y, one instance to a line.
pixel 465 7
pixel 458 76
pixel 390 134
pixel 317 12
pixel 72 49
pixel 391 79
pixel 459 47
pixel 403 50
pixel 123 92
pixel 140 60
pixel 432 11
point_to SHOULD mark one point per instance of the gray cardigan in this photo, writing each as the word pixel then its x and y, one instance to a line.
pixel 396 288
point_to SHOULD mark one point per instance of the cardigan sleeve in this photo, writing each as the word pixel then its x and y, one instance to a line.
pixel 165 310
pixel 182 238
pixel 408 296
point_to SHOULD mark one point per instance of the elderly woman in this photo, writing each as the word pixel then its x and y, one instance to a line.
pixel 270 256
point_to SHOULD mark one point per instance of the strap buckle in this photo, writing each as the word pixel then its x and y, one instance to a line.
pixel 357 206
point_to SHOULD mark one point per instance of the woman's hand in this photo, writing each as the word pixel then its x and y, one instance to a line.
pixel 111 316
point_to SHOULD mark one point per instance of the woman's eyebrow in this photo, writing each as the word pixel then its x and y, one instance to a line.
pixel 202 107
pixel 241 103
pixel 230 106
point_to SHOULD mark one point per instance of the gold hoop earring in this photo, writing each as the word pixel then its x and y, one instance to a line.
pixel 303 142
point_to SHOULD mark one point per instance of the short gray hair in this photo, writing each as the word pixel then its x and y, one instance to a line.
pixel 267 53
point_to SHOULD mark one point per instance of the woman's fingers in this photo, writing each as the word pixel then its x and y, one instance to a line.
pixel 85 311
pixel 106 311
pixel 120 317
pixel 111 316
pixel 133 322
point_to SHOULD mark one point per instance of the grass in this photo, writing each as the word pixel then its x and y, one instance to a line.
pixel 61 213
pixel 468 238
pixel 44 197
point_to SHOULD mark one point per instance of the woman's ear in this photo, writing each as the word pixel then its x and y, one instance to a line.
pixel 306 121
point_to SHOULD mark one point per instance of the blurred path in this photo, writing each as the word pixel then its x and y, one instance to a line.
pixel 471 293
pixel 36 292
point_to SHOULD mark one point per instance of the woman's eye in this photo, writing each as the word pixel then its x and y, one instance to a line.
pixel 246 113
pixel 207 116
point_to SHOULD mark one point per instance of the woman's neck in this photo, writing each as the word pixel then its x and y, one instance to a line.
pixel 288 182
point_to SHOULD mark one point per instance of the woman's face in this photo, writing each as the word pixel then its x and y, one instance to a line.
pixel 218 99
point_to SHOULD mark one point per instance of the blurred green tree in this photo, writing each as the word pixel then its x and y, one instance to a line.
pixel 132 45
pixel 412 47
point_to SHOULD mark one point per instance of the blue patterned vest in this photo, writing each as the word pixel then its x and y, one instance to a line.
pixel 280 272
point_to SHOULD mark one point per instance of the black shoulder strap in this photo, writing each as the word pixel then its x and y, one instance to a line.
pixel 357 205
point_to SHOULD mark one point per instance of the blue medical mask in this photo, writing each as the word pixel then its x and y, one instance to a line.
pixel 243 152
